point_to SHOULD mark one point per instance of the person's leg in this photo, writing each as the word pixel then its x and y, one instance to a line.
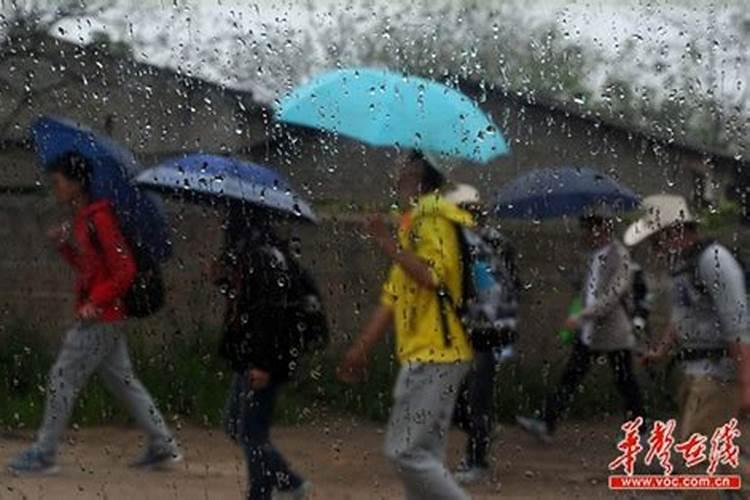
pixel 424 397
pixel 627 385
pixel 83 349
pixel 575 370
pixel 480 408
pixel 705 404
pixel 117 374
pixel 267 468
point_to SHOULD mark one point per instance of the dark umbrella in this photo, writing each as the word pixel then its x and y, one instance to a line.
pixel 140 213
pixel 557 192
pixel 211 176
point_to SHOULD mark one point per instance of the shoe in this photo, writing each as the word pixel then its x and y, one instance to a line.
pixel 158 457
pixel 535 427
pixel 301 492
pixel 32 461
pixel 471 474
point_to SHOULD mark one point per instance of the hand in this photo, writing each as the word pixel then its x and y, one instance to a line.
pixel 88 311
pixel 573 323
pixel 353 367
pixel 216 272
pixel 744 399
pixel 259 379
pixel 59 234
pixel 378 230
pixel 652 356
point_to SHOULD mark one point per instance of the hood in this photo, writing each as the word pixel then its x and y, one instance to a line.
pixel 435 205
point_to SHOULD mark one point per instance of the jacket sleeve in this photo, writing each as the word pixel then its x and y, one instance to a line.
pixel 69 254
pixel 725 281
pixel 617 275
pixel 118 259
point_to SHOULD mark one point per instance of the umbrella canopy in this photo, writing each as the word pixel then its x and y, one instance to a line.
pixel 382 108
pixel 224 177
pixel 557 192
pixel 140 213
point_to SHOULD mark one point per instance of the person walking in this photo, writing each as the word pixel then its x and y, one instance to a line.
pixel 497 287
pixel 96 249
pixel 264 288
pixel 431 344
pixel 603 327
pixel 709 330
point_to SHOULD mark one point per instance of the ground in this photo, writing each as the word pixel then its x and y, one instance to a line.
pixel 341 456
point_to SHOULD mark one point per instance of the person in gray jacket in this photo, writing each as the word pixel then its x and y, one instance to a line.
pixel 604 328
pixel 709 331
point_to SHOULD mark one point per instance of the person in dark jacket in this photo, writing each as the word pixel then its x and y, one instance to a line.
pixel 259 342
pixel 99 254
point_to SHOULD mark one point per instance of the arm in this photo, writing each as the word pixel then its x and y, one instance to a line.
pixel 725 281
pixel 118 259
pixel 741 354
pixel 353 366
pixel 410 262
pixel 617 273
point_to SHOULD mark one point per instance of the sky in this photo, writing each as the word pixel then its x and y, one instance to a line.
pixel 267 46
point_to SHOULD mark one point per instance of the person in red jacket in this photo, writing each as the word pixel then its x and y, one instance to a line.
pixel 105 268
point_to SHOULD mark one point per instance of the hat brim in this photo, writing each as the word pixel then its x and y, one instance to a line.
pixel 640 231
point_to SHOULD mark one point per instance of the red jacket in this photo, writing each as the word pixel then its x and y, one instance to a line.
pixel 102 260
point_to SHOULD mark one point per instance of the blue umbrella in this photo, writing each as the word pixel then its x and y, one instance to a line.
pixel 382 108
pixel 555 192
pixel 140 214
pixel 224 177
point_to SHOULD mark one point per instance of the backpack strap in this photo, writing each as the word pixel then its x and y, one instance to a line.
pixel 445 301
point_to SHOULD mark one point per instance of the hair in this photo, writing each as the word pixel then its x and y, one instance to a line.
pixel 431 179
pixel 73 167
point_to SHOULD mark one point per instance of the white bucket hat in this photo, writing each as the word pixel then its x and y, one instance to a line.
pixel 661 212
pixel 463 194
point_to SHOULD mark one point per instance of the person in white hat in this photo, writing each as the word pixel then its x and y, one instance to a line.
pixel 497 302
pixel 709 327
pixel 604 327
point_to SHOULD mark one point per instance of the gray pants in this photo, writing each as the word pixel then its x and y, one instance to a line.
pixel 103 348
pixel 417 434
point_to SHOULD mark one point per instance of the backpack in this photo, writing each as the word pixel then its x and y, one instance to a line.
pixel 146 294
pixel 639 302
pixel 305 308
pixel 491 289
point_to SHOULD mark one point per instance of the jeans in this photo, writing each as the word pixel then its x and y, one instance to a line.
pixel 475 408
pixel 248 422
pixel 576 369
pixel 102 348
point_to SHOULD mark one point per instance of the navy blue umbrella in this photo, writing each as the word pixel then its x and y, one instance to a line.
pixel 214 176
pixel 557 192
pixel 140 213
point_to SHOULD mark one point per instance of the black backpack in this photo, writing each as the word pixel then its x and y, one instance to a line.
pixel 639 303
pixel 305 308
pixel 146 294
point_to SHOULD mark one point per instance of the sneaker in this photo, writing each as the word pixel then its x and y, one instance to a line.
pixel 302 492
pixel 535 427
pixel 471 474
pixel 32 461
pixel 156 458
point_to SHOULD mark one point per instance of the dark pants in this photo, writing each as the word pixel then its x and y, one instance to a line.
pixel 576 369
pixel 474 413
pixel 248 422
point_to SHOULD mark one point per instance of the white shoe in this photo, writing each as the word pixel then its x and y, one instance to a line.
pixel 300 493
pixel 473 474
pixel 535 427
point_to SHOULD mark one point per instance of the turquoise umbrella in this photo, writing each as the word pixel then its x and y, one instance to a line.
pixel 382 108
